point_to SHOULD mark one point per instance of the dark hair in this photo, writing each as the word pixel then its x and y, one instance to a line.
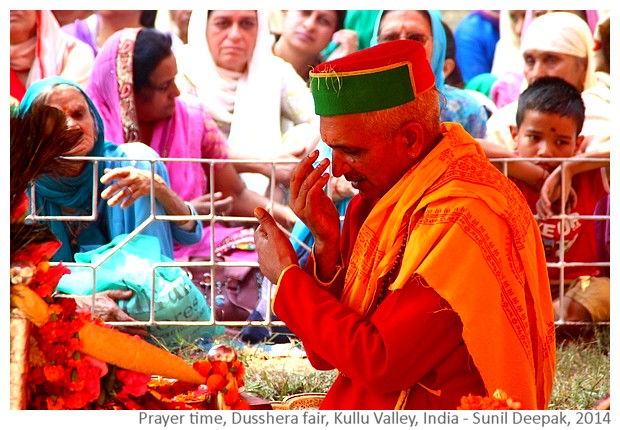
pixel 424 13
pixel 455 78
pixel 552 95
pixel 342 15
pixel 147 18
pixel 152 46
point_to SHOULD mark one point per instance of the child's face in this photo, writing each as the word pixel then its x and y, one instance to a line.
pixel 546 135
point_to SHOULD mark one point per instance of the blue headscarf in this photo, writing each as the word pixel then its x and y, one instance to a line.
pixel 457 105
pixel 73 192
pixel 438 56
pixel 54 192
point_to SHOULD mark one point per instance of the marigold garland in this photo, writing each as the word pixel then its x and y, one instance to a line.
pixel 498 401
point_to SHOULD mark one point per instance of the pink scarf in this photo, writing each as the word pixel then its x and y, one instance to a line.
pixel 53 50
pixel 179 136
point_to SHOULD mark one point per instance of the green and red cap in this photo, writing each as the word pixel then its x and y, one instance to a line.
pixel 381 77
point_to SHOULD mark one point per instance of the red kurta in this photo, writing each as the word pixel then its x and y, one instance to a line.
pixel 580 243
pixel 470 311
pixel 412 337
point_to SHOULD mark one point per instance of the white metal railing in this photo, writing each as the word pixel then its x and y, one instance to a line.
pixel 213 264
pixel 561 264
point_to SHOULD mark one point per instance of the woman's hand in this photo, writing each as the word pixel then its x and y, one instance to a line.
pixel 127 184
pixel 106 308
pixel 347 43
pixel 222 205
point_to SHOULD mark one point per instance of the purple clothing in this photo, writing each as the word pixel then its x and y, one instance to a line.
pixel 81 30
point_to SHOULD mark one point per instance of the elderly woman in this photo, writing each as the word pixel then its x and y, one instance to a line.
pixel 39 48
pixel 426 27
pixel 122 207
pixel 133 86
pixel 124 202
pixel 556 44
pixel 228 63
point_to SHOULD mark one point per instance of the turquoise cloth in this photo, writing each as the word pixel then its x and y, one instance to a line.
pixel 54 193
pixel 130 268
pixel 362 22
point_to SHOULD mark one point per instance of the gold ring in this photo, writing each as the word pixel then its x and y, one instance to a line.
pixel 130 190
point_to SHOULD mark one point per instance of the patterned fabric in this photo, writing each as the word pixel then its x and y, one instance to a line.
pixel 124 76
pixel 474 241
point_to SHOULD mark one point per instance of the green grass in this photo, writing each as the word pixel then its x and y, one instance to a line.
pixel 582 371
pixel 581 380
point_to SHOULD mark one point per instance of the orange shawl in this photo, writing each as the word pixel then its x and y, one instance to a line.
pixel 473 239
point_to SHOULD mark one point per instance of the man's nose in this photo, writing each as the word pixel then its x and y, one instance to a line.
pixel 538 71
pixel 339 166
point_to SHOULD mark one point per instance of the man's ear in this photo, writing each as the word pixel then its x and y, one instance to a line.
pixel 413 135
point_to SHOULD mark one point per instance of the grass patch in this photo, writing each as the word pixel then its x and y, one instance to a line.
pixel 581 380
pixel 582 372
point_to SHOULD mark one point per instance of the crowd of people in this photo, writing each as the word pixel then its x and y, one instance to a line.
pixel 366 137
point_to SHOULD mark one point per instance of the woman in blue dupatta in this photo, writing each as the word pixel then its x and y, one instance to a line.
pixel 123 207
pixel 124 204
pixel 425 26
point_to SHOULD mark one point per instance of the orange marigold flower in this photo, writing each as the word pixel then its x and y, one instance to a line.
pixel 55 309
pixel 498 401
pixel 203 367
pixel 241 405
pixel 55 403
pixel 215 383
pixel 219 368
pixel 237 369
pixel 232 396
pixel 53 373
